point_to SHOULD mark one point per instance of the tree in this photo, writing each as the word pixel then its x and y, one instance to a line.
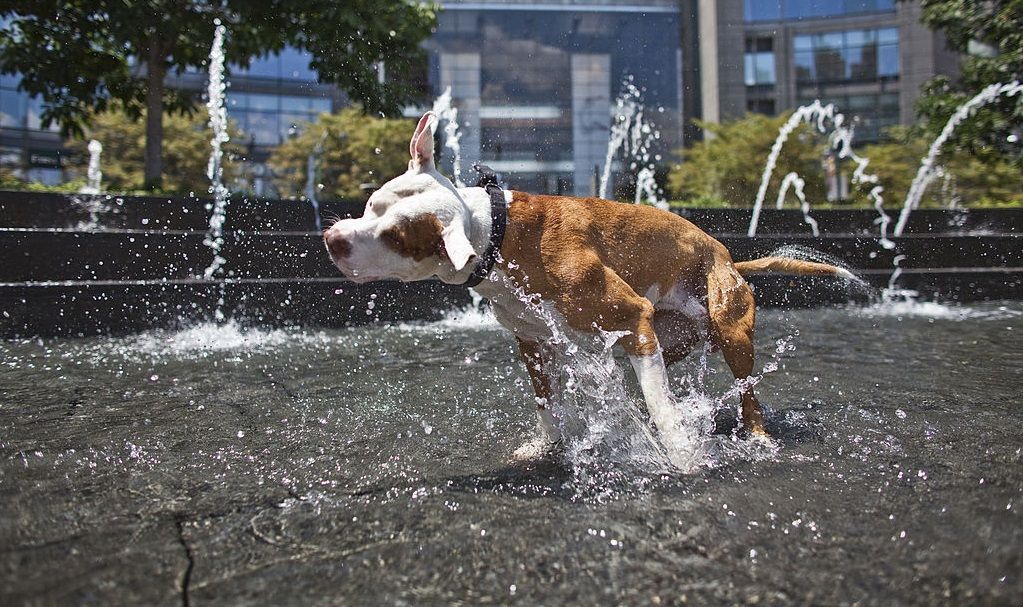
pixel 354 149
pixel 81 56
pixel 729 165
pixel 186 146
pixel 989 34
pixel 968 179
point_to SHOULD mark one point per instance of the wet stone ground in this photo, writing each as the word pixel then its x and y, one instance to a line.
pixel 217 465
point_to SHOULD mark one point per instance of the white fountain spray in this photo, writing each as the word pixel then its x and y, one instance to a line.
pixel 448 115
pixel 636 136
pixel 93 175
pixel 214 170
pixel 796 182
pixel 926 173
pixel 310 181
pixel 840 139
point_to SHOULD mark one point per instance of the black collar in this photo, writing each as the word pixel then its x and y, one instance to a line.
pixel 498 225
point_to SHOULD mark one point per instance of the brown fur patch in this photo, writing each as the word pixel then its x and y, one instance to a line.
pixel 416 237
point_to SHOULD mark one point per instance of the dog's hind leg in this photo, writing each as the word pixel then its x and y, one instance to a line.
pixel 593 295
pixel 732 312
pixel 538 363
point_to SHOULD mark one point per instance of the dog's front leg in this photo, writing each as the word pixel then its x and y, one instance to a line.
pixel 538 364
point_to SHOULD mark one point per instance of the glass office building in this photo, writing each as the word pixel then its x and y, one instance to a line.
pixel 534 82
pixel 868 57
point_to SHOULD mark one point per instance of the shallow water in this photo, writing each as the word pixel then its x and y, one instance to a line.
pixel 372 466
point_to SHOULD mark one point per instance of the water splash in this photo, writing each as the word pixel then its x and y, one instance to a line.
pixel 636 136
pixel 841 140
pixel 926 173
pixel 217 110
pixel 795 251
pixel 796 182
pixel 310 181
pixel 448 115
pixel 93 175
pixel 608 441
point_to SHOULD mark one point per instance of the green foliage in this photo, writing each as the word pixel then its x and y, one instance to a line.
pixel 78 54
pixel 968 179
pixel 969 25
pixel 186 148
pixel 350 141
pixel 10 181
pixel 729 163
pixel 87 56
pixel 725 170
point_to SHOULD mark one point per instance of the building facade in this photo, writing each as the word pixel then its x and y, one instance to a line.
pixel 535 81
pixel 868 57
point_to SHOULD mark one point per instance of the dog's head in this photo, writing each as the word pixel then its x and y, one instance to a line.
pixel 414 227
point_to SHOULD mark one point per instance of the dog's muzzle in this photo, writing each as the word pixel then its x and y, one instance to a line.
pixel 338 246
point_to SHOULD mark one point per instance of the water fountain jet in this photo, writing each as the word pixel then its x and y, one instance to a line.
pixel 632 133
pixel 93 175
pixel 217 110
pixel 927 172
pixel 448 115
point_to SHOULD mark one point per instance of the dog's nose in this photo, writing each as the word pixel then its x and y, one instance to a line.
pixel 338 246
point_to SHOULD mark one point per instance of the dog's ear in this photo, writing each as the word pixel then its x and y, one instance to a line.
pixel 420 148
pixel 457 245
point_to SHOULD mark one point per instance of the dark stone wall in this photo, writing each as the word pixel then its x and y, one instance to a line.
pixel 100 264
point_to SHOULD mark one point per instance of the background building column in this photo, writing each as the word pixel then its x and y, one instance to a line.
pixel 591 119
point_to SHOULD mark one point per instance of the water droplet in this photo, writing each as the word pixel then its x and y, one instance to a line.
pixel 427 428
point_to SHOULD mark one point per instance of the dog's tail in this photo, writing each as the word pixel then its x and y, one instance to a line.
pixel 787 265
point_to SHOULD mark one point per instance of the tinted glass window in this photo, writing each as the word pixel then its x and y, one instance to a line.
pixel 852 55
pixel 769 10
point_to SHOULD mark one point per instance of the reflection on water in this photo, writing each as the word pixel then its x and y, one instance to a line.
pixel 374 462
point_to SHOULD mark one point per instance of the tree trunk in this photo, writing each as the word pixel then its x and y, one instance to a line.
pixel 156 70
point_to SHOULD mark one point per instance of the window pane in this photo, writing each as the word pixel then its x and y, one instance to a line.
pixel 833 40
pixel 855 67
pixel 750 69
pixel 264 67
pixel 294 65
pixel 765 68
pixel 863 63
pixel 857 37
pixel 829 64
pixel 888 60
pixel 12 108
pixel 320 105
pixel 261 127
pixel 889 102
pixel 859 103
pixel 805 70
pixel 803 43
pixel 762 10
pixel 888 34
pixel 798 9
pixel 261 102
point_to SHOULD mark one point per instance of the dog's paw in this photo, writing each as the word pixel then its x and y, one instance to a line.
pixel 535 449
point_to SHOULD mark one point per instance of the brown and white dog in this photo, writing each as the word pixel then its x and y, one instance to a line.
pixel 598 264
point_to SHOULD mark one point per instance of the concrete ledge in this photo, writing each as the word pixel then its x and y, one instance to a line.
pixel 75 267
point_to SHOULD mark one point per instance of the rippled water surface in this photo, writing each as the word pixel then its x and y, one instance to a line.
pixel 373 466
